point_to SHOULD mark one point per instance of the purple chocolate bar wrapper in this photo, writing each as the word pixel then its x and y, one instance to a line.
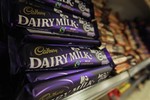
pixel 62 40
pixel 62 87
pixel 79 7
pixel 38 57
pixel 35 38
pixel 37 20
pixel 40 76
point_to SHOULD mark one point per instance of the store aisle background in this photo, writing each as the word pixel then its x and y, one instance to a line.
pixel 130 9
pixel 142 93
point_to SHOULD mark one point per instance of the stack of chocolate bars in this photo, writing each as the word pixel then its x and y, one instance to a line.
pixel 53 48
pixel 111 38
pixel 58 47
pixel 120 38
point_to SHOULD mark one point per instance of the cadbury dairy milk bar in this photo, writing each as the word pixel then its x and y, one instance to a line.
pixel 49 57
pixel 61 87
pixel 40 76
pixel 52 21
pixel 61 40
pixel 25 36
pixel 82 8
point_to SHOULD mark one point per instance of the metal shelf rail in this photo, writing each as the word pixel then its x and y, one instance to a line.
pixel 131 89
pixel 139 67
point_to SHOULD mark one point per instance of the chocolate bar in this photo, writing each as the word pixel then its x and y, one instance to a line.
pixel 61 40
pixel 61 87
pixel 49 57
pixel 48 21
pixel 122 67
pixel 39 57
pixel 122 59
pixel 40 76
pixel 107 39
pixel 36 38
pixel 115 48
pixel 82 8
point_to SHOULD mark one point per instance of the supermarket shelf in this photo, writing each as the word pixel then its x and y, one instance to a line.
pixel 102 88
pixel 131 89
pixel 139 67
pixel 99 89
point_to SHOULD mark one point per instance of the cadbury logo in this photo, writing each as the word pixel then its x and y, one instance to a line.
pixel 31 11
pixel 41 51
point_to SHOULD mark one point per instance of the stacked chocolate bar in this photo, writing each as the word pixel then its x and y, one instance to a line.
pixel 53 48
pixel 139 47
pixel 110 37
pixel 123 58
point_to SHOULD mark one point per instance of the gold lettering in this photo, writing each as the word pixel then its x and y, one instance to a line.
pixel 31 11
pixel 41 51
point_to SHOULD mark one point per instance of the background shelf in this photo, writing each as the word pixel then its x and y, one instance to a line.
pixel 131 89
pixel 139 67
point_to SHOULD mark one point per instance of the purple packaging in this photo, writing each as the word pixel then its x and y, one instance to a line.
pixel 42 57
pixel 82 8
pixel 52 21
pixel 38 57
pixel 25 36
pixel 61 40
pixel 40 76
pixel 61 87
